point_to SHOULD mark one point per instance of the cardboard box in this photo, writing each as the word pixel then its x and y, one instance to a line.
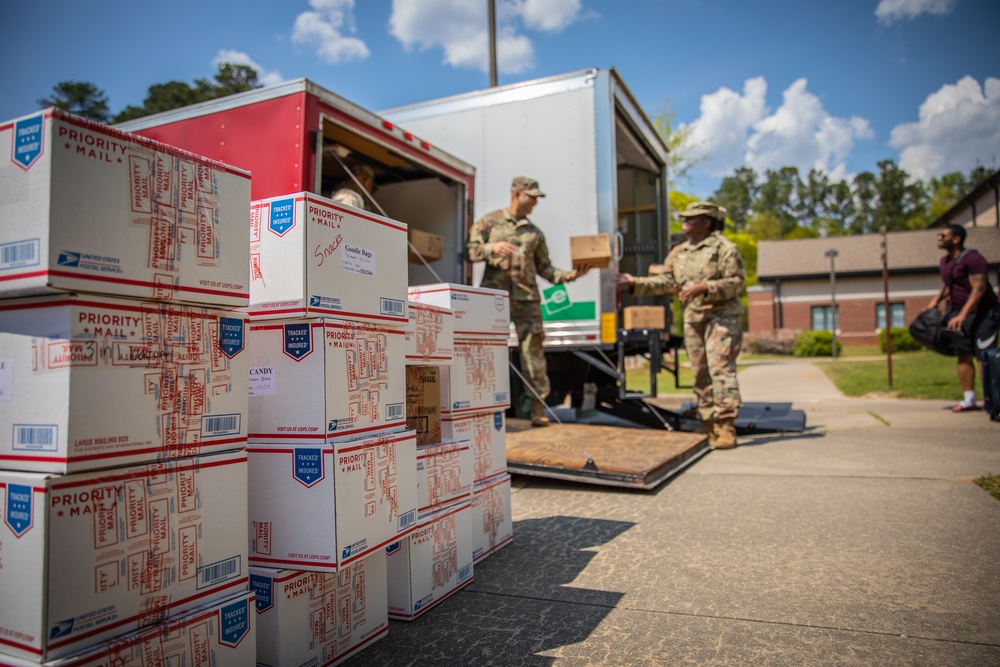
pixel 479 379
pixel 444 475
pixel 92 555
pixel 492 526
pixel 92 382
pixel 423 403
pixel 322 506
pixel 320 618
pixel 480 312
pixel 313 257
pixel 99 210
pixel 430 335
pixel 431 563
pixel 430 246
pixel 222 634
pixel 644 317
pixel 593 250
pixel 325 380
pixel 487 433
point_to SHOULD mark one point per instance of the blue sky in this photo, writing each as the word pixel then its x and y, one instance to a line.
pixel 834 85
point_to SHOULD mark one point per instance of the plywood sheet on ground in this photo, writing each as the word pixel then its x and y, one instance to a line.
pixel 601 454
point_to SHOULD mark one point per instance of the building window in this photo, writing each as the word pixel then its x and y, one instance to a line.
pixel 897 314
pixel 823 318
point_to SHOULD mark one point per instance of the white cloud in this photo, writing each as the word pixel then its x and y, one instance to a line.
pixel 738 129
pixel 241 58
pixel 958 127
pixel 892 10
pixel 324 28
pixel 461 29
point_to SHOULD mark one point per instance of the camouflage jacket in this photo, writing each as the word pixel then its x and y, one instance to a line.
pixel 518 274
pixel 347 192
pixel 714 261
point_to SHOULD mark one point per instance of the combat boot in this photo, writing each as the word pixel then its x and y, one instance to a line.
pixel 538 417
pixel 725 434
pixel 707 427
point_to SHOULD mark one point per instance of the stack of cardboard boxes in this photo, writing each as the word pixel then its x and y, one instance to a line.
pixel 123 401
pixel 475 393
pixel 332 465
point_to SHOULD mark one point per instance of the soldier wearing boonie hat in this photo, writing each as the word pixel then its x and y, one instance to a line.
pixel 707 275
pixel 515 253
pixel 350 193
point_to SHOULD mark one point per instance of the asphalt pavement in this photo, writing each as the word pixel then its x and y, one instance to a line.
pixel 861 541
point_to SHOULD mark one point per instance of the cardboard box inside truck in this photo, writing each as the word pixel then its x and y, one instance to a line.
pixel 429 246
pixel 644 317
pixel 99 210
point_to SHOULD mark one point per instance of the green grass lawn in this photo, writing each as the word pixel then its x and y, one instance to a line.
pixel 920 375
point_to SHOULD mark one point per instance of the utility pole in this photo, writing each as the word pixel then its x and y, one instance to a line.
pixel 885 292
pixel 831 253
pixel 492 9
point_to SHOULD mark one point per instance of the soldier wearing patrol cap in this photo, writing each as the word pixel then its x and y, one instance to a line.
pixel 515 254
pixel 707 275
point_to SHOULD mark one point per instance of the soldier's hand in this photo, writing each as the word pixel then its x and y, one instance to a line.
pixel 689 292
pixel 504 249
pixel 624 280
pixel 579 270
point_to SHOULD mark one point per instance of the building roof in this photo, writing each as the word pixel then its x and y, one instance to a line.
pixel 991 183
pixel 908 252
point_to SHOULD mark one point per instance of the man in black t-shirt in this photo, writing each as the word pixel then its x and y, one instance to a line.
pixel 972 305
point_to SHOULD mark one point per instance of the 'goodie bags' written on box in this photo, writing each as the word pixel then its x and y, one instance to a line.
pixel 100 210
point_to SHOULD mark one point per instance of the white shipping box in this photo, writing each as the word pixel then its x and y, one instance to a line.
pixel 479 379
pixel 430 335
pixel 487 432
pixel 431 563
pixel 492 524
pixel 221 634
pixel 320 618
pixel 89 208
pixel 480 312
pixel 322 506
pixel 444 475
pixel 92 555
pixel 325 380
pixel 423 403
pixel 313 257
pixel 92 382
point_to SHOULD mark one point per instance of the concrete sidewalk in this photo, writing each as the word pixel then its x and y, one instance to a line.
pixel 861 541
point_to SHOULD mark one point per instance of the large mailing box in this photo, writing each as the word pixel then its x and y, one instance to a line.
pixel 313 257
pixel 492 525
pixel 319 618
pixel 427 247
pixel 487 432
pixel 92 555
pixel 480 312
pixel 430 335
pixel 644 317
pixel 94 382
pixel 444 475
pixel 325 379
pixel 431 563
pixel 423 403
pixel 220 634
pixel 593 250
pixel 320 507
pixel 479 379
pixel 89 208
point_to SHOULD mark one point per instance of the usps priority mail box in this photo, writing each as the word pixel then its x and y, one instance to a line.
pixel 479 379
pixel 222 634
pixel 313 257
pixel 93 555
pixel 444 475
pixel 322 506
pixel 430 335
pixel 325 379
pixel 320 618
pixel 92 382
pixel 89 208
pixel 492 524
pixel 431 563
pixel 487 433
pixel 480 312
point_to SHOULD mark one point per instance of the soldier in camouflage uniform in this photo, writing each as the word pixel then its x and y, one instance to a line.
pixel 348 192
pixel 515 253
pixel 706 273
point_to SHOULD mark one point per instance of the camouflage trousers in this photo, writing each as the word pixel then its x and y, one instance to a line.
pixel 527 318
pixel 712 347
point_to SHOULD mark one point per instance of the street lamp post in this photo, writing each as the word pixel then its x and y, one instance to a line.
pixel 831 253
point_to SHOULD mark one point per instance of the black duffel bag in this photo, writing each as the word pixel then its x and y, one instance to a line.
pixel 930 329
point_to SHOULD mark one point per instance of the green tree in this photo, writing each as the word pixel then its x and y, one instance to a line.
pixel 737 194
pixel 813 198
pixel 765 226
pixel 80 97
pixel 900 201
pixel 747 244
pixel 681 157
pixel 776 196
pixel 228 80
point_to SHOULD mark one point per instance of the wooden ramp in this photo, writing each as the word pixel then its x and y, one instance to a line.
pixel 611 455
